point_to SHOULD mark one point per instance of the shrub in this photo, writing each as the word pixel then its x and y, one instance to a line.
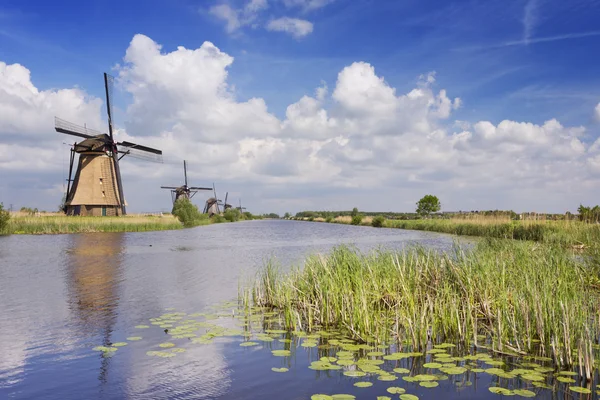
pixel 248 215
pixel 217 219
pixel 188 213
pixel 357 219
pixel 329 219
pixel 378 221
pixel 232 215
pixel 4 218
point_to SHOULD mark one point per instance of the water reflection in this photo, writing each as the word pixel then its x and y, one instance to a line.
pixel 93 274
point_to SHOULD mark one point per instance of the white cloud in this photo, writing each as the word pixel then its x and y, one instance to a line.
pixel 296 27
pixel 597 112
pixel 237 18
pixel 361 135
pixel 307 5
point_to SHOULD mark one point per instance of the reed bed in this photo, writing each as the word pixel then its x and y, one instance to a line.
pixel 63 224
pixel 562 233
pixel 524 297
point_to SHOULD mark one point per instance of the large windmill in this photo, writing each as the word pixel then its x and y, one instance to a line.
pixel 97 188
pixel 184 191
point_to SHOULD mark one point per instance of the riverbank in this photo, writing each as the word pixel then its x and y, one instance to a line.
pixel 514 297
pixel 574 234
pixel 56 224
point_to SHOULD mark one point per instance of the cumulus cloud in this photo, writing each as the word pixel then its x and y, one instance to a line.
pixel 296 27
pixel 236 18
pixel 363 134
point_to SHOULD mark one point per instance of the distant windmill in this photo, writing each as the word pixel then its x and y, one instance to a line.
pixel 226 206
pixel 212 204
pixel 240 207
pixel 97 188
pixel 184 191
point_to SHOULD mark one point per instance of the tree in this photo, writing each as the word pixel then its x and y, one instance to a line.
pixel 187 213
pixel 4 218
pixel 286 215
pixel 354 212
pixel 427 205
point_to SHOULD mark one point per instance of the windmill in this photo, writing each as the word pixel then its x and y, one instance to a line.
pixel 97 188
pixel 226 206
pixel 184 191
pixel 212 204
pixel 240 207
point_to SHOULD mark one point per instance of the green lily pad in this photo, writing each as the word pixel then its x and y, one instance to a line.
pixel 502 391
pixel 279 369
pixel 178 350
pixel 429 384
pixel 408 397
pixel 396 390
pixel 119 344
pixel 454 370
pixel 328 359
pixel 134 338
pixel 477 370
pixel 384 398
pixel 354 374
pixel 105 349
pixel 363 384
pixel 432 365
pixel 375 353
pixel 524 393
pixel 142 327
pixel 346 362
pixel 532 377
pixel 565 379
pixel 541 385
pixel 579 389
pixel 495 363
pixel 248 344
pixel 401 371
pixel 166 345
pixel 387 377
pixel 321 397
pixel 281 353
pixel 343 397
pixel 567 373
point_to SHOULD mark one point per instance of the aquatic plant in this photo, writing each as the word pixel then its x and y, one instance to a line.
pixel 525 297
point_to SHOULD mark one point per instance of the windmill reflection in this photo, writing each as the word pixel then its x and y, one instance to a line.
pixel 93 275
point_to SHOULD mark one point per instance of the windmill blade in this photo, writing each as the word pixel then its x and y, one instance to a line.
pixel 216 198
pixel 141 155
pixel 225 203
pixel 140 147
pixel 199 188
pixel 108 87
pixel 169 187
pixel 70 128
pixel 185 172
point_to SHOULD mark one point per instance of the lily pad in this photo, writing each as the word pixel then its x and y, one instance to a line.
pixel 119 344
pixel 281 353
pixel 178 350
pixel 321 397
pixel 502 391
pixel 363 384
pixel 279 369
pixel 408 397
pixel 432 365
pixel 343 397
pixel 384 398
pixel 533 377
pixel 396 390
pixel 524 393
pixel 248 344
pixel 354 374
pixel 166 345
pixel 565 379
pixel 134 338
pixel 142 327
pixel 375 353
pixel 429 384
pixel 579 389
pixel 387 377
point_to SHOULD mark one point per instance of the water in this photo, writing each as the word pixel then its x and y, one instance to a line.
pixel 63 295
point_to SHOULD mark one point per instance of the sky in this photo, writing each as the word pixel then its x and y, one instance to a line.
pixel 294 105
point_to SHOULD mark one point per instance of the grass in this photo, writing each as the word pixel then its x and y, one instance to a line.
pixel 524 297
pixel 62 224
pixel 566 233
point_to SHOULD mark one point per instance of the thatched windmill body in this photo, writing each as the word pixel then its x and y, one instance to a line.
pixel 184 191
pixel 97 188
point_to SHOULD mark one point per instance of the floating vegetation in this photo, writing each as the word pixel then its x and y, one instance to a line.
pixel 248 344
pixel 142 326
pixel 134 338
pixel 119 344
pixel 363 384
pixel 281 353
pixel 279 369
pixel 166 345
pixel 396 390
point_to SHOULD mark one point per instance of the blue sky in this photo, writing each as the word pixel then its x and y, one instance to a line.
pixel 519 60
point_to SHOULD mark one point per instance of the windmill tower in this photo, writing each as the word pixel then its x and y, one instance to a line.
pixel 212 204
pixel 184 191
pixel 226 206
pixel 97 188
pixel 240 207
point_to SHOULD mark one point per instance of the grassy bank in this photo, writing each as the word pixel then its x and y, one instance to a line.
pixel 524 297
pixel 563 233
pixel 64 224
